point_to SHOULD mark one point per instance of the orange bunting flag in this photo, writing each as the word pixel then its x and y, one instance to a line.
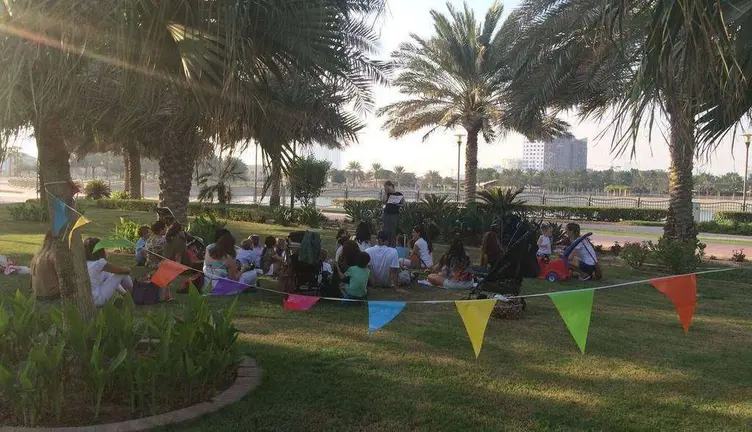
pixel 167 272
pixel 475 315
pixel 682 290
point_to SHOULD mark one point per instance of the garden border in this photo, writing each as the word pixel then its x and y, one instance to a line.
pixel 248 379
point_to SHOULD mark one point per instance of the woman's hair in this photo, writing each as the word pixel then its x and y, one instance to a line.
pixel 421 230
pixel 363 232
pixel 255 240
pixel 218 234
pixel 491 247
pixel 389 186
pixel 143 231
pixel 324 255
pixel 341 232
pixel 401 241
pixel 574 228
pixel 363 260
pixel 350 252
pixel 281 241
pixel 89 244
pixel 341 240
pixel 456 251
pixel 223 247
pixel 157 227
pixel 174 230
pixel 270 242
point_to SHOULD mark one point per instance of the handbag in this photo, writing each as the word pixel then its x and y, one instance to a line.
pixel 144 293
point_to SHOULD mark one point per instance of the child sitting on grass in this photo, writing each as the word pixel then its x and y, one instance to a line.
pixel 143 235
pixel 355 279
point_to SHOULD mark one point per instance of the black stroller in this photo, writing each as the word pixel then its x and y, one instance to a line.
pixel 505 276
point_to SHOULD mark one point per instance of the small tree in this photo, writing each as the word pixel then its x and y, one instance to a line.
pixel 308 178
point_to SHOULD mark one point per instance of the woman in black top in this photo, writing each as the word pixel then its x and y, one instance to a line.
pixel 393 201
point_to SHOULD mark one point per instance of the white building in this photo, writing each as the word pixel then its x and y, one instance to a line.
pixel 533 155
pixel 322 153
pixel 561 154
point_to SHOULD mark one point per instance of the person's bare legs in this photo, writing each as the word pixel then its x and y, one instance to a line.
pixel 436 279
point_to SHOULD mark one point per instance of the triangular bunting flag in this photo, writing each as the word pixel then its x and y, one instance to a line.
pixel 682 290
pixel 110 243
pixel 575 308
pixel 299 302
pixel 380 313
pixel 60 216
pixel 81 221
pixel 225 287
pixel 475 315
pixel 167 272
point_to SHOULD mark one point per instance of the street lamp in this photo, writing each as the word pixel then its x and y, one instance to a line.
pixel 746 168
pixel 459 144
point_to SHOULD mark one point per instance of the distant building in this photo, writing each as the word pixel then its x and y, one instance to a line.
pixel 322 153
pixel 511 164
pixel 561 154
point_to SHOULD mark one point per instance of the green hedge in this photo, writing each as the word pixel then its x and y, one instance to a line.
pixel 725 228
pixel 237 212
pixel 734 217
pixel 600 214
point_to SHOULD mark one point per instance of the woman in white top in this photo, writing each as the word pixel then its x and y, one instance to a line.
pixel 106 278
pixel 422 253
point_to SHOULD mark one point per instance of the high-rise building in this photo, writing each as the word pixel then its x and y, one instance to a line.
pixel 322 153
pixel 561 154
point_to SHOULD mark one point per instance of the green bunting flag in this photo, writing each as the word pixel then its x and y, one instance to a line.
pixel 575 308
pixel 115 243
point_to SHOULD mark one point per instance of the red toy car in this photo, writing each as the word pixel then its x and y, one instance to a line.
pixel 554 270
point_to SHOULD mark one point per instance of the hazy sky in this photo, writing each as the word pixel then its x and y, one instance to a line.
pixel 440 152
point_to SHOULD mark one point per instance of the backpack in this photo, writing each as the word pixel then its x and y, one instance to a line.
pixel 144 293
pixel 310 248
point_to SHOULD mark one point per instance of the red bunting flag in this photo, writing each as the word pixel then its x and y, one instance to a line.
pixel 167 271
pixel 299 302
pixel 682 290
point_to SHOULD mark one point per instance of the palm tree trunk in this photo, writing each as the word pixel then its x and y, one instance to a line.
pixel 133 172
pixel 70 263
pixel 471 164
pixel 175 172
pixel 127 171
pixel 680 223
pixel 276 184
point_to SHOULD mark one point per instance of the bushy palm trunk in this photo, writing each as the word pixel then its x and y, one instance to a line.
pixel 471 164
pixel 680 223
pixel 175 173
pixel 276 184
pixel 70 263
pixel 133 172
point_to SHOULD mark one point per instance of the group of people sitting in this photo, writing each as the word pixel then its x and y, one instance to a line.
pixel 583 262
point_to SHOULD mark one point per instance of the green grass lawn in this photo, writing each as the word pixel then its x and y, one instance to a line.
pixel 323 371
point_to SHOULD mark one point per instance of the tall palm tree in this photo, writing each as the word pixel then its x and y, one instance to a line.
pixel 640 58
pixel 399 172
pixel 354 172
pixel 459 78
pixel 376 171
pixel 218 178
pixel 432 179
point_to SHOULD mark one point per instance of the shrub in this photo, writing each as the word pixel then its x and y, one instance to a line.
pixel 734 217
pixel 284 216
pixel 635 254
pixel 601 214
pixel 311 216
pixel 205 227
pixel 31 212
pixel 675 256
pixel 127 229
pixel 97 189
pixel 121 195
pixel 725 228
pixel 104 361
pixel 369 211
pixel 738 256
pixel 616 249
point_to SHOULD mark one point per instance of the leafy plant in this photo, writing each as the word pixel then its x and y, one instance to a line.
pixel 616 248
pixel 205 227
pixel 127 229
pixel 121 195
pixel 500 200
pixel 97 189
pixel 738 256
pixel 308 178
pixel 634 254
pixel 218 177
pixel 284 216
pixel 31 212
pixel 676 256
pixel 311 216
pixel 369 211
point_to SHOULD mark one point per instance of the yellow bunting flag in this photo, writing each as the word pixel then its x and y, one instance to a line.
pixel 475 315
pixel 79 223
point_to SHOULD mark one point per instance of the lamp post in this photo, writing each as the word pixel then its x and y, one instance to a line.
pixel 746 169
pixel 459 144
pixel 255 177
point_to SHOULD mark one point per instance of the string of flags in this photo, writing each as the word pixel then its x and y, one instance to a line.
pixel 574 306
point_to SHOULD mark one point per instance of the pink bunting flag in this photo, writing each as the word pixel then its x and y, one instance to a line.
pixel 300 302
pixel 167 272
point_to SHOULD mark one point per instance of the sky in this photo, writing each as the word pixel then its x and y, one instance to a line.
pixel 440 151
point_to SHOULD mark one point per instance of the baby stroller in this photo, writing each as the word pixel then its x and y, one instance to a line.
pixel 505 276
pixel 304 253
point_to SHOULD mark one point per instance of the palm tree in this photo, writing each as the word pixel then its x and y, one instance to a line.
pixel 640 57
pixel 376 171
pixel 219 177
pixel 354 172
pixel 459 78
pixel 399 172
pixel 432 179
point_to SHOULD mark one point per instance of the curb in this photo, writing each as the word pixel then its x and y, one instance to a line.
pixel 249 377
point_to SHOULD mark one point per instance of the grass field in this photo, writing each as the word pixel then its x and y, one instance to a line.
pixel 323 371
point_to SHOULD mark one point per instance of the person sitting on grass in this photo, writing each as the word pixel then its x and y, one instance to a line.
pixel 176 247
pixel 155 245
pixel 452 269
pixel 584 263
pixel 44 281
pixel 421 256
pixel 143 236
pixel 219 262
pixel 354 281
pixel 106 278
pixel 384 262
pixel 271 259
pixel 246 259
pixel 363 236
pixel 544 243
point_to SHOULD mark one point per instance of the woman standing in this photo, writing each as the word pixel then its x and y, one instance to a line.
pixel 392 201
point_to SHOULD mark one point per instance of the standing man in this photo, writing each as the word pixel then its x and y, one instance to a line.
pixel 393 201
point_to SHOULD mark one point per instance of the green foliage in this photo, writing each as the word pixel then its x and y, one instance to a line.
pixel 739 256
pixel 601 214
pixel 108 360
pixel 616 248
pixel 734 218
pixel 31 212
pixel 97 189
pixel 284 216
pixel 369 211
pixel 121 195
pixel 676 256
pixel 499 200
pixel 311 216
pixel 725 228
pixel 127 229
pixel 635 254
pixel 308 178
pixel 205 227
